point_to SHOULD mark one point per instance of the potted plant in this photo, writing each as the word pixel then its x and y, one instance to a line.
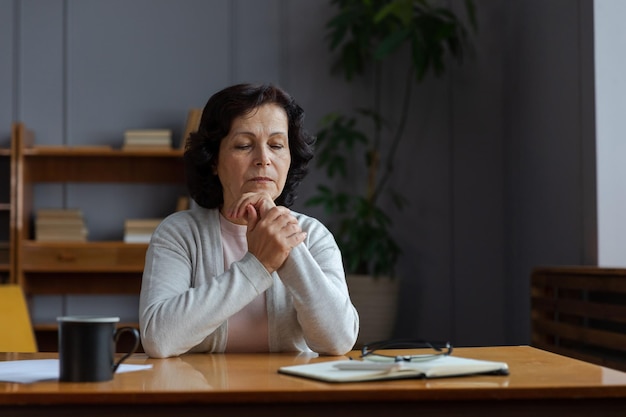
pixel 367 36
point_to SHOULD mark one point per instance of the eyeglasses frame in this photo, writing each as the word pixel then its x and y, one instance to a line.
pixel 371 350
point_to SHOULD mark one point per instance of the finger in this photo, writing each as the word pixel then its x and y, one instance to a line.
pixel 261 201
pixel 239 208
pixel 280 214
pixel 291 228
pixel 252 217
pixel 297 239
pixel 265 206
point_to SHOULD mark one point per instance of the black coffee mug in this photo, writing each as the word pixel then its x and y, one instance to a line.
pixel 87 347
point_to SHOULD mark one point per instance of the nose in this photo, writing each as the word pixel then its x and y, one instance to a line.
pixel 262 157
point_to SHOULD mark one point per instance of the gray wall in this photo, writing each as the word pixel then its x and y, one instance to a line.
pixel 498 166
pixel 549 164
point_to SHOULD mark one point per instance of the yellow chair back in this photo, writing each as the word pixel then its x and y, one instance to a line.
pixel 16 329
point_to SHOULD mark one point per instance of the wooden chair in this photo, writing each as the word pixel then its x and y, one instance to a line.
pixel 16 330
pixel 580 312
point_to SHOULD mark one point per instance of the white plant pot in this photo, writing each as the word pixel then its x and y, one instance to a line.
pixel 376 301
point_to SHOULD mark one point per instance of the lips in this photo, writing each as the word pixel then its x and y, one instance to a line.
pixel 261 179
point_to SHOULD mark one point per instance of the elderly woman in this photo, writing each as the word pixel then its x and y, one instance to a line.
pixel 241 272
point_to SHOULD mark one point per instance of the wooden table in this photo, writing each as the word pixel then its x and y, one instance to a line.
pixel 540 383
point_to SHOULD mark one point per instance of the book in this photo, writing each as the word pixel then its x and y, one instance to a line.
pixel 137 238
pixel 53 224
pixel 62 238
pixel 139 230
pixel 64 228
pixel 147 133
pixel 147 139
pixel 146 224
pixel 364 370
pixel 161 139
pixel 144 148
pixel 58 221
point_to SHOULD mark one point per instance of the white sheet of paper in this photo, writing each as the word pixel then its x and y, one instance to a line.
pixel 38 370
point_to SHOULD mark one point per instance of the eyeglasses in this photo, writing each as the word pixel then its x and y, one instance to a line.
pixel 373 351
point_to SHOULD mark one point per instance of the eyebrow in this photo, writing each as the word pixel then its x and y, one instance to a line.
pixel 250 133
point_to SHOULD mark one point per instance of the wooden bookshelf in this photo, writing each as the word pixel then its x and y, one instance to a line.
pixel 7 211
pixel 5 216
pixel 92 267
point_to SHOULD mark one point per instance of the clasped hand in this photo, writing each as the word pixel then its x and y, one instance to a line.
pixel 272 230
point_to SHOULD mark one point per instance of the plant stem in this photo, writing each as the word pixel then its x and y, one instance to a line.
pixel 377 104
pixel 397 136
pixel 373 154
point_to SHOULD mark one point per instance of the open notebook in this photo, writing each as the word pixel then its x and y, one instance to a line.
pixel 358 371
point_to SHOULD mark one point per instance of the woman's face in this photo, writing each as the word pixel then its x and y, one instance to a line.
pixel 255 156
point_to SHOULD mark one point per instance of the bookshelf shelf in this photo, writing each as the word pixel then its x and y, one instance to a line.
pixel 102 166
pixel 87 257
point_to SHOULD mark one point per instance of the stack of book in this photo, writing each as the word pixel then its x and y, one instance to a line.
pixel 139 230
pixel 60 225
pixel 147 139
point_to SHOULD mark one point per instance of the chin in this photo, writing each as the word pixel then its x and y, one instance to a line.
pixel 271 190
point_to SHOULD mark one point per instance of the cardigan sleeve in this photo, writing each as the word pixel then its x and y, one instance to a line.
pixel 314 276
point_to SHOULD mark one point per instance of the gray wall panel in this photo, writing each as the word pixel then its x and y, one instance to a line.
pixel 546 174
pixel 257 41
pixel 7 50
pixel 423 175
pixel 143 65
pixel 42 92
pixel 478 238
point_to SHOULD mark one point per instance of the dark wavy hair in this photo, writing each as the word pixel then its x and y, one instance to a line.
pixel 202 147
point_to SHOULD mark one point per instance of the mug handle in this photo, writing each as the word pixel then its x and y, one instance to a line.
pixel 116 337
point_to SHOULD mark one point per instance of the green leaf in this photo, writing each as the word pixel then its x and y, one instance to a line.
pixel 400 9
pixel 471 12
pixel 392 42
